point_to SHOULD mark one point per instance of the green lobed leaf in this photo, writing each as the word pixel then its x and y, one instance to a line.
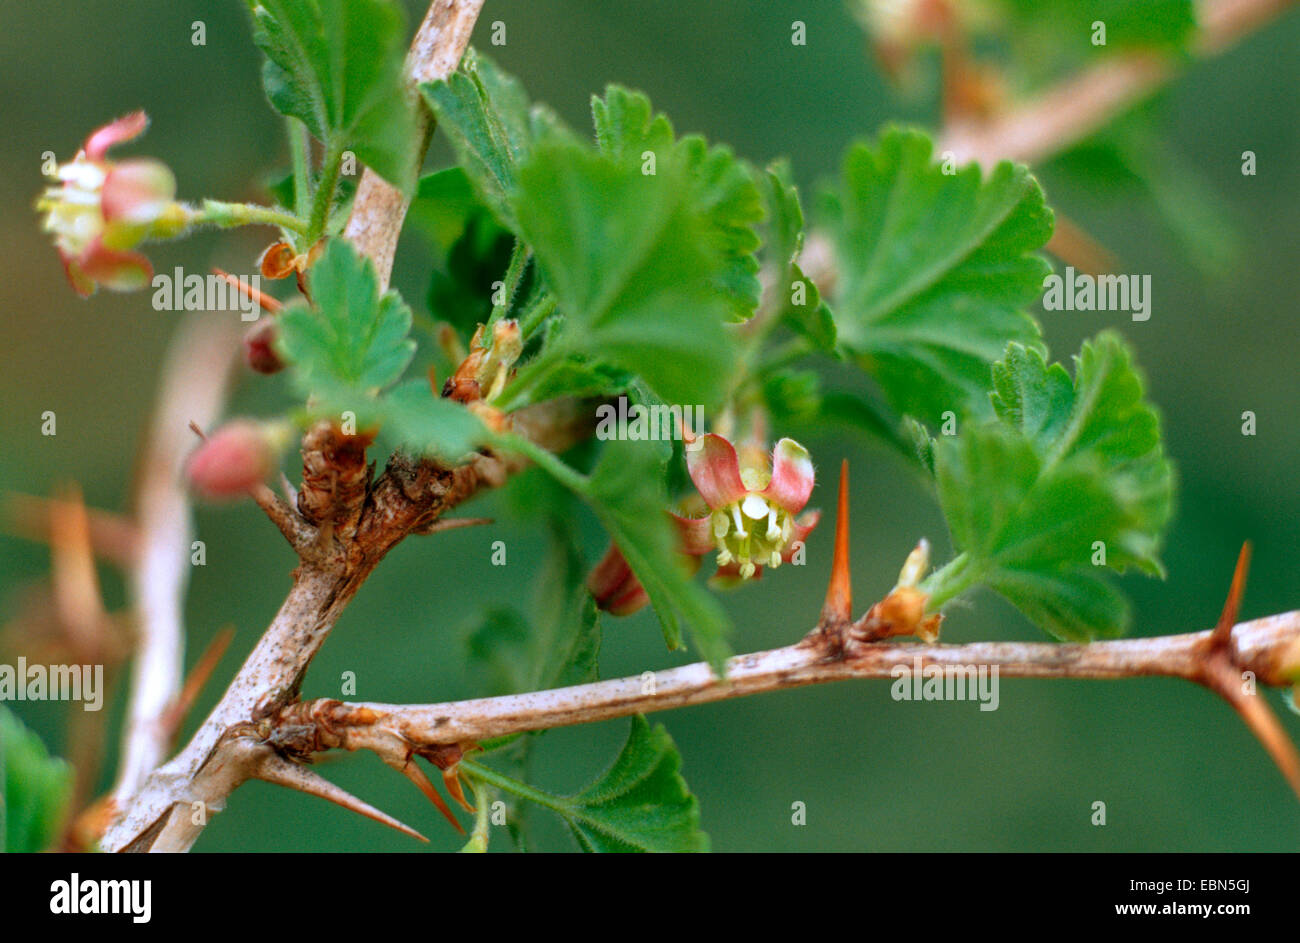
pixel 1064 465
pixel 351 342
pixel 470 248
pixel 484 112
pixel 799 303
pixel 935 271
pixel 35 789
pixel 640 804
pixel 721 187
pixel 336 65
pixel 628 260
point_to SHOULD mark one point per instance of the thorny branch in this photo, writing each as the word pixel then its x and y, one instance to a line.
pixel 402 730
pixel 344 523
pixel 407 497
pixel 1231 659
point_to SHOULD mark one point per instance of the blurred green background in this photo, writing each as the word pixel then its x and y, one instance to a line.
pixel 1174 766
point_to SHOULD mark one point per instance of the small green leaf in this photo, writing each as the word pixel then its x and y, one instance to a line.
pixel 35 789
pixel 722 188
pixel 429 425
pixel 628 260
pixel 1070 480
pixel 485 113
pixel 798 302
pixel 336 65
pixel 351 342
pixel 935 271
pixel 641 804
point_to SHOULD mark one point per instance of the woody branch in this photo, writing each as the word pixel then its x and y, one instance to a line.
pixel 407 498
pixel 390 729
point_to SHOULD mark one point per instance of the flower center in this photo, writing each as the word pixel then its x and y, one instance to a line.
pixel 751 532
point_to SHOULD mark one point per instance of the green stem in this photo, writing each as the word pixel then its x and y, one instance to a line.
pixel 324 197
pixel 950 581
pixel 535 314
pixel 478 838
pixel 519 257
pixel 229 215
pixel 300 153
pixel 555 466
pixel 513 786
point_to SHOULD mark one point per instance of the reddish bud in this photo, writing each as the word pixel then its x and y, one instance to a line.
pixel 259 348
pixel 614 586
pixel 234 459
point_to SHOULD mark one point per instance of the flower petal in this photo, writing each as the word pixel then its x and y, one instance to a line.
pixel 614 586
pixel 632 599
pixel 792 476
pixel 113 268
pixel 728 576
pixel 137 191
pixel 695 536
pixel 80 282
pixel 115 132
pixel 802 528
pixel 715 470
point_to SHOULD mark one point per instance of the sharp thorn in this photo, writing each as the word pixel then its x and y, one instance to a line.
pixel 276 769
pixel 78 599
pixel 451 779
pixel 411 770
pixel 838 608
pixel 1222 633
pixel 199 675
pixel 1224 679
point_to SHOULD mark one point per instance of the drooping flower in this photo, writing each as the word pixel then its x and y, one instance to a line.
pixel 750 506
pixel 100 210
pixel 753 502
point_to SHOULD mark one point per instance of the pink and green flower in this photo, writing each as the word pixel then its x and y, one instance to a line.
pixel 100 210
pixel 754 505
pixel 750 517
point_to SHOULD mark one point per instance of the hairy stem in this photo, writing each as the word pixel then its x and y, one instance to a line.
pixel 326 185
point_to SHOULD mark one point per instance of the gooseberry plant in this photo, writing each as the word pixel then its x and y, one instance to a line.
pixel 624 263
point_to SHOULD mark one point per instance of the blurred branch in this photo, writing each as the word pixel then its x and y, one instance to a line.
pixel 1065 114
pixel 194 385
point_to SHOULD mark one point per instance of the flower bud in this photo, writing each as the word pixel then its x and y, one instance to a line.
pixel 614 586
pixel 237 457
pixel 259 348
